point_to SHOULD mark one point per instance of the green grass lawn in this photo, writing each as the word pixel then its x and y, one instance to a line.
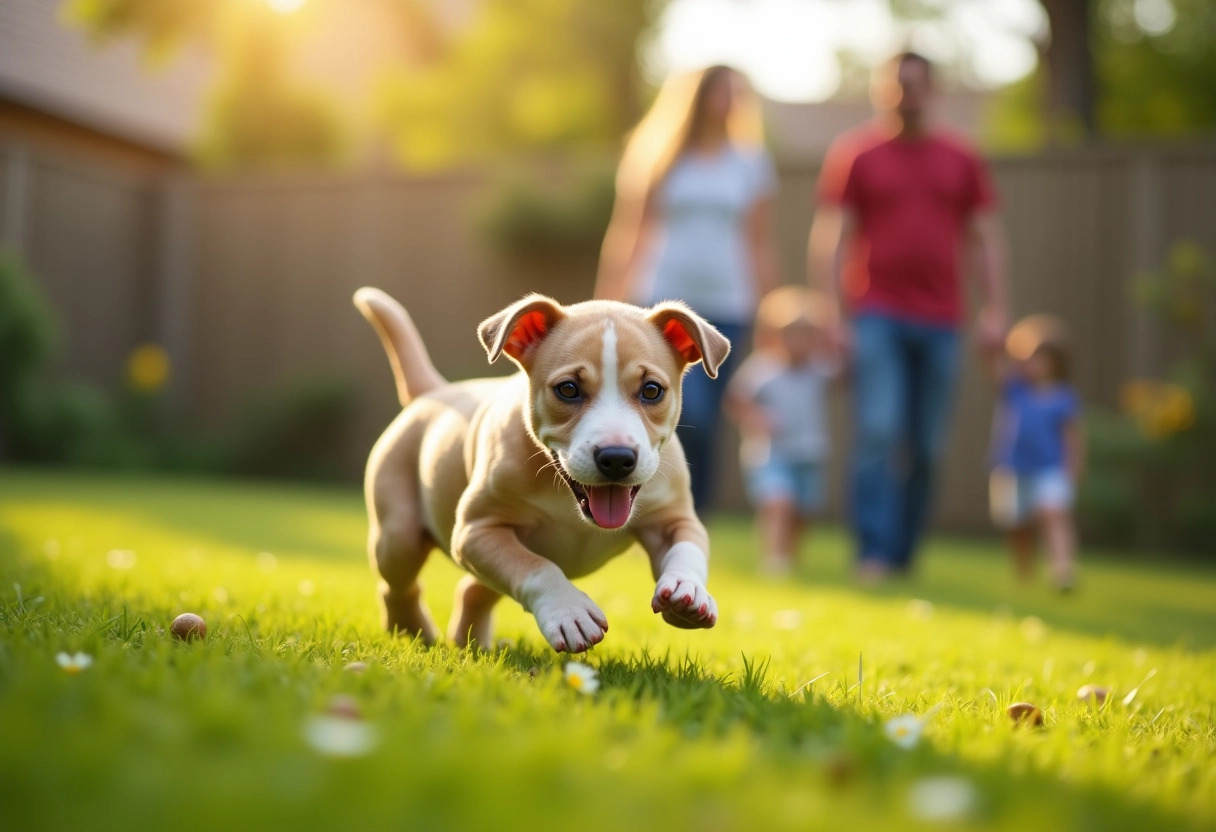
pixel 714 730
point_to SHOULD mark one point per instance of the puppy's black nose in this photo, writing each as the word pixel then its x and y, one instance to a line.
pixel 616 462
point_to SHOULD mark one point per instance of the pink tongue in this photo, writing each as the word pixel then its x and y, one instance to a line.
pixel 609 504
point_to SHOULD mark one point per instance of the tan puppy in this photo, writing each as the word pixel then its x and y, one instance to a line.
pixel 531 480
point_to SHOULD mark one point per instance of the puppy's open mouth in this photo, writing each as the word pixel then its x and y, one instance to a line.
pixel 608 506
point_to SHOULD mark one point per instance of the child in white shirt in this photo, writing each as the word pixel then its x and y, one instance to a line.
pixel 778 397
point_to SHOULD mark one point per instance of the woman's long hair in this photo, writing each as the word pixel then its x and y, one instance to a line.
pixel 674 119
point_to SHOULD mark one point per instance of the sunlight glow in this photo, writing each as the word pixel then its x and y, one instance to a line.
pixel 789 48
pixel 285 6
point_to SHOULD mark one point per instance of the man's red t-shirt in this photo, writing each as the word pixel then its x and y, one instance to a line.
pixel 912 199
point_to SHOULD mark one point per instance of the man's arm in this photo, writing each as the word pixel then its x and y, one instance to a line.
pixel 831 234
pixel 988 238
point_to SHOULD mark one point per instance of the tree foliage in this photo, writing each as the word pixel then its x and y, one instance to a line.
pixel 1154 79
pixel 524 75
pixel 1157 84
pixel 516 75
pixel 161 27
pixel 258 112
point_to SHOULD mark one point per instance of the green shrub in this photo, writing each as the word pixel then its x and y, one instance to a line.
pixel 1149 482
pixel 61 422
pixel 44 420
pixel 27 336
pixel 292 433
pixel 528 216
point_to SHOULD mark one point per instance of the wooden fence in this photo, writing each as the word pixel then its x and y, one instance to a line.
pixel 248 281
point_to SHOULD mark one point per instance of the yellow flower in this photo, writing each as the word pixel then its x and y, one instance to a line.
pixel 1136 396
pixel 148 368
pixel 1159 409
pixel 582 678
pixel 74 663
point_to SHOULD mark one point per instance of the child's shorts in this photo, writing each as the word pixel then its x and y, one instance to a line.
pixel 1014 498
pixel 801 483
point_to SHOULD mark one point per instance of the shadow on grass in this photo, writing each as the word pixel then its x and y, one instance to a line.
pixel 1171 603
pixel 1166 605
pixel 848 750
pixel 820 729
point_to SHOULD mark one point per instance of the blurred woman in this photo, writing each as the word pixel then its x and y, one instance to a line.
pixel 693 222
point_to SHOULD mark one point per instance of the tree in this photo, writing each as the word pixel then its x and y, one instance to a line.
pixel 258 112
pixel 525 75
pixel 1157 73
pixel 259 115
pixel 1115 69
pixel 517 75
pixel 1070 66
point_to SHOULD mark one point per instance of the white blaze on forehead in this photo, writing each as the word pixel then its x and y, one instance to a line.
pixel 608 371
pixel 614 418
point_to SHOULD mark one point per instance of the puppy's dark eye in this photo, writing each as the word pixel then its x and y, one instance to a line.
pixel 652 391
pixel 567 390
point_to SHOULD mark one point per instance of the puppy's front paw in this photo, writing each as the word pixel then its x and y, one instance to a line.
pixel 571 623
pixel 684 602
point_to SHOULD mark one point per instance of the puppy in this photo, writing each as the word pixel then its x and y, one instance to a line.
pixel 543 476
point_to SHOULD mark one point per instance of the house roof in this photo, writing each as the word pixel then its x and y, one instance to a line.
pixel 54 68
pixel 109 87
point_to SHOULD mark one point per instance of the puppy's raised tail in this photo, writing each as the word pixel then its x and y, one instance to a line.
pixel 412 367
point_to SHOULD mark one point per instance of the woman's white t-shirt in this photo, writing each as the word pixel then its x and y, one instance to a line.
pixel 702 256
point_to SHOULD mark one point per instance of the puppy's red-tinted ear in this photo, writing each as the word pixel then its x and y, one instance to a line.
pixel 518 328
pixel 691 336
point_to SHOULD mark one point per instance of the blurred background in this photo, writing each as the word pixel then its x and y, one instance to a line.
pixel 190 191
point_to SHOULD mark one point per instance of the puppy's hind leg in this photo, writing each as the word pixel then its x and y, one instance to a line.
pixel 471 614
pixel 398 546
pixel 397 553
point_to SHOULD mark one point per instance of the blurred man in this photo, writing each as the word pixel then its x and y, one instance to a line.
pixel 899 203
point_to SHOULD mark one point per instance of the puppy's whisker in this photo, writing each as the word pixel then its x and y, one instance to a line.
pixel 552 465
pixel 538 453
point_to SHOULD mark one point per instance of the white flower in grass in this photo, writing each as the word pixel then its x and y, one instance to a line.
pixel 75 662
pixel 340 736
pixel 905 730
pixel 582 678
pixel 942 799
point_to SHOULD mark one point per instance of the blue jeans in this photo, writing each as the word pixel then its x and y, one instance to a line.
pixel 701 413
pixel 905 374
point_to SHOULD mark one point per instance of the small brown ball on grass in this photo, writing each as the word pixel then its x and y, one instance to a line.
pixel 1023 713
pixel 188 627
pixel 840 769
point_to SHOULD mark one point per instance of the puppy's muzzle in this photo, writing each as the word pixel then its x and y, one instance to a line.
pixel 616 462
pixel 607 505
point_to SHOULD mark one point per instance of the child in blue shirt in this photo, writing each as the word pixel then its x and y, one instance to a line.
pixel 1038 448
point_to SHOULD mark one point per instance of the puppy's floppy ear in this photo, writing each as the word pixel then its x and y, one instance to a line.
pixel 690 335
pixel 520 327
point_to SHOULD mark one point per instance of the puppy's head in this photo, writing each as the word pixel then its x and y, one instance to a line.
pixel 604 388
